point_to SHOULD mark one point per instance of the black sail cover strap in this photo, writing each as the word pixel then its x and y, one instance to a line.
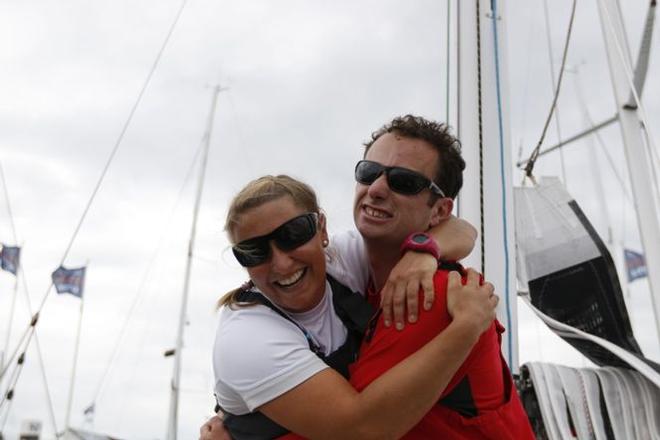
pixel 588 296
pixel 354 312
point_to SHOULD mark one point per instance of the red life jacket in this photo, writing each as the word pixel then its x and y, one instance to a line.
pixel 480 402
pixel 508 421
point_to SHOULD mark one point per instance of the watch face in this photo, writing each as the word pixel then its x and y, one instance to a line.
pixel 420 238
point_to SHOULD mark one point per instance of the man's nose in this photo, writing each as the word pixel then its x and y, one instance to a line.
pixel 379 189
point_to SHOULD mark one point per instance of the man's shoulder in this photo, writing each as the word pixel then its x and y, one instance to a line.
pixel 442 274
pixel 451 265
pixel 346 260
pixel 441 277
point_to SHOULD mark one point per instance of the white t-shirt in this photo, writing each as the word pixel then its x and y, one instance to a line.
pixel 258 355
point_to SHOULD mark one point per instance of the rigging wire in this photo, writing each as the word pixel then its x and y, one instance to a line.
pixel 624 188
pixel 529 167
pixel 141 286
pixel 525 95
pixel 37 346
pixel 599 139
pixel 448 64
pixel 5 418
pixel 143 334
pixel 21 273
pixel 7 397
pixel 101 178
pixel 12 308
pixel 553 84
pixel 481 146
pixel 13 300
pixel 5 368
pixel 9 211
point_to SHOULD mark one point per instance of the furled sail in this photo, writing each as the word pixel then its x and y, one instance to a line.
pixel 602 403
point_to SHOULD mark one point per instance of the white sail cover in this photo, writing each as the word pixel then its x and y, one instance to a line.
pixel 572 281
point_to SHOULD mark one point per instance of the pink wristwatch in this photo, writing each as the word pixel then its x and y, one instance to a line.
pixel 421 242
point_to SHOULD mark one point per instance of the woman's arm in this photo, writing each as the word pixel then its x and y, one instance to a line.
pixel 455 238
pixel 326 406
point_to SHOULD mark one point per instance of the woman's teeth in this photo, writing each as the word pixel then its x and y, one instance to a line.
pixel 286 282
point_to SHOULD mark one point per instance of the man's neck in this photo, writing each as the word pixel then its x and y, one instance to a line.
pixel 382 260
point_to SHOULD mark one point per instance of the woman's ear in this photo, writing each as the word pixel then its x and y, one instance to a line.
pixel 323 229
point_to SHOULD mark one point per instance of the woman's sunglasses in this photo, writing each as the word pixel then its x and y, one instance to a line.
pixel 288 236
pixel 400 180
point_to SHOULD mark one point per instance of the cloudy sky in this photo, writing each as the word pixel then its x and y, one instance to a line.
pixel 307 83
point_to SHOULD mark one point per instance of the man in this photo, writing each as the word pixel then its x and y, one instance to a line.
pixel 480 401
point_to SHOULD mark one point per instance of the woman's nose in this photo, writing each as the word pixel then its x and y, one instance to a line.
pixel 279 259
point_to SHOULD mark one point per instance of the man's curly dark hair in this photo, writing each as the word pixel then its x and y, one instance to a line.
pixel 449 174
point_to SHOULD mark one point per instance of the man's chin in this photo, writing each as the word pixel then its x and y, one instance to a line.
pixel 371 232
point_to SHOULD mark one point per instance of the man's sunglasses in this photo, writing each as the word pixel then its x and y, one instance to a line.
pixel 288 236
pixel 400 180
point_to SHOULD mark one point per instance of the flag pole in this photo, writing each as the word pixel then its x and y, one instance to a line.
pixel 75 362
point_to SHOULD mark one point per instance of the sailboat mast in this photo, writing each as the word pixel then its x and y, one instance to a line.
pixel 646 204
pixel 486 200
pixel 172 427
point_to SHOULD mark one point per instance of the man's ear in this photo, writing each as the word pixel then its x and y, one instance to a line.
pixel 441 210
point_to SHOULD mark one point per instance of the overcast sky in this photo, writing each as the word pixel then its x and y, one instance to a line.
pixel 308 81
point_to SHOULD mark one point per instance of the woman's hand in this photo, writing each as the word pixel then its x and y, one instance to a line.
pixel 456 238
pixel 400 292
pixel 473 302
pixel 214 429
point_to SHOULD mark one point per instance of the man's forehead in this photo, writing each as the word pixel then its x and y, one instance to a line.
pixel 394 149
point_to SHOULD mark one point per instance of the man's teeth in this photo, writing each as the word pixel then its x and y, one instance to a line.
pixel 292 279
pixel 375 212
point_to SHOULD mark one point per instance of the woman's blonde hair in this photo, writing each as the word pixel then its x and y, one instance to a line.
pixel 259 191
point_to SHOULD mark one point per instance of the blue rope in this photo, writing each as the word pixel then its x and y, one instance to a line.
pixel 493 7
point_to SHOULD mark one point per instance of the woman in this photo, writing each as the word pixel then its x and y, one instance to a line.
pixel 279 334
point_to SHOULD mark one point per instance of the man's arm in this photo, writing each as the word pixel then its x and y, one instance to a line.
pixel 455 238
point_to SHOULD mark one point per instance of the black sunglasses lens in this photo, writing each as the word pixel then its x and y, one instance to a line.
pixel 251 252
pixel 367 172
pixel 288 236
pixel 295 232
pixel 400 180
pixel 406 182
